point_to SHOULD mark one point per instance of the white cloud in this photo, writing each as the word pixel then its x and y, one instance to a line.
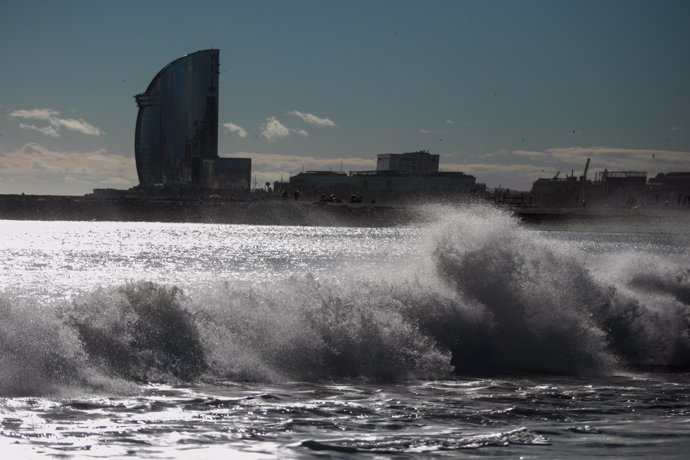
pixel 232 127
pixel 56 123
pixel 449 121
pixel 36 169
pixel 78 126
pixel 47 130
pixel 34 114
pixel 274 130
pixel 424 131
pixel 313 119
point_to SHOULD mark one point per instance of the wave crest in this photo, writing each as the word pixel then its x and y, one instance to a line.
pixel 311 329
pixel 139 331
pixel 38 352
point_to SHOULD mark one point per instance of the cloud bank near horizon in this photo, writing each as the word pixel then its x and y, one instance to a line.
pixel 516 169
pixel 520 168
pixel 276 163
pixel 36 169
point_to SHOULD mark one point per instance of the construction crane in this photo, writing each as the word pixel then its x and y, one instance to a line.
pixel 583 178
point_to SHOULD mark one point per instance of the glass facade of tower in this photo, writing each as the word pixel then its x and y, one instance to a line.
pixel 177 124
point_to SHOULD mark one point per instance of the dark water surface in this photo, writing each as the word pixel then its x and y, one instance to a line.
pixel 529 417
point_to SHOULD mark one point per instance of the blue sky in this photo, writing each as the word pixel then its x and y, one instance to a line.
pixel 506 90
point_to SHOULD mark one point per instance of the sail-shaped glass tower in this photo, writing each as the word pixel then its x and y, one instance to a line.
pixel 177 124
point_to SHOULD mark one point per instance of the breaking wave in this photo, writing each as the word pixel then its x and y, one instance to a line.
pixel 486 295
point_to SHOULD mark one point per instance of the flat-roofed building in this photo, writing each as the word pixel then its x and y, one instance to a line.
pixel 412 163
pixel 417 178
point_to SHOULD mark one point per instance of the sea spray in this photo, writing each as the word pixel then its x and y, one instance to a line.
pixel 536 296
pixel 475 293
pixel 328 325
pixel 553 307
pixel 139 331
pixel 303 328
pixel 38 353
pixel 645 310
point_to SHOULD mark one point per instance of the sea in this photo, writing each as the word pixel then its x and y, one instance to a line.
pixel 470 335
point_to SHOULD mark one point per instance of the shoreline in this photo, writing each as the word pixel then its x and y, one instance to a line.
pixel 305 213
pixel 215 211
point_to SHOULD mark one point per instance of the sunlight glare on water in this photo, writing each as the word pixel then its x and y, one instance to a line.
pixel 74 256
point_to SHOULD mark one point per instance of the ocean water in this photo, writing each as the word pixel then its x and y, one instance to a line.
pixel 471 336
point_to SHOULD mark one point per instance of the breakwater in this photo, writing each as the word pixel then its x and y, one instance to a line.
pixel 253 212
pixel 290 212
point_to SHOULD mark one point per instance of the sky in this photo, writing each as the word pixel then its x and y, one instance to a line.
pixel 508 91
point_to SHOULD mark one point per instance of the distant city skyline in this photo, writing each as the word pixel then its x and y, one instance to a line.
pixel 506 91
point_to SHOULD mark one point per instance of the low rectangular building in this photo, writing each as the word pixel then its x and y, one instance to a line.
pixel 413 163
pixel 383 186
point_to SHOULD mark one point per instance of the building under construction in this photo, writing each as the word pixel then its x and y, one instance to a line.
pixel 613 189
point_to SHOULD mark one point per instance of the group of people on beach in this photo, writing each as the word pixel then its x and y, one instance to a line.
pixel 334 199
pixel 324 198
